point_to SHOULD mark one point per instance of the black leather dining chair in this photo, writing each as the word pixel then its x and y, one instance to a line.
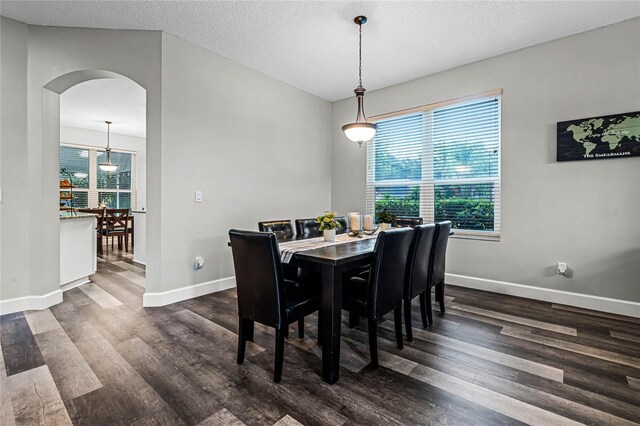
pixel 407 221
pixel 382 290
pixel 282 228
pixel 344 225
pixel 438 263
pixel 417 274
pixel 264 295
pixel 308 227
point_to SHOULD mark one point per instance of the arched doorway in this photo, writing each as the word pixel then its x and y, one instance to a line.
pixel 51 137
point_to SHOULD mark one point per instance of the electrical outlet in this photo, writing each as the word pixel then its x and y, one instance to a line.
pixel 562 268
pixel 199 263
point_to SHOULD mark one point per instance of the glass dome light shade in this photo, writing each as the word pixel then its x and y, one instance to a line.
pixel 359 132
pixel 108 167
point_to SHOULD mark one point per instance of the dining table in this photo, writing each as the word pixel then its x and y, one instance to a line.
pixel 349 253
pixel 331 260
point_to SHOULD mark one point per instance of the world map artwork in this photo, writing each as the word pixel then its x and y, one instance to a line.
pixel 611 136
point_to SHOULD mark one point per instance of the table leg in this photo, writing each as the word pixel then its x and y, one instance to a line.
pixel 332 319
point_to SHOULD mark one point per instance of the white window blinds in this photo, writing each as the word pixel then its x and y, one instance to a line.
pixel 440 163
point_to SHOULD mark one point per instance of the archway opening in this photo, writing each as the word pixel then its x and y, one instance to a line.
pixel 76 107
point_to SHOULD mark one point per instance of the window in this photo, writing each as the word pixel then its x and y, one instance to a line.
pixel 93 186
pixel 440 162
pixel 115 187
pixel 76 162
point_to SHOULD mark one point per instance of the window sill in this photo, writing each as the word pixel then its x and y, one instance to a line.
pixel 461 235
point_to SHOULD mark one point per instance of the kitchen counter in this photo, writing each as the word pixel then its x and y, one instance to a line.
pixel 140 236
pixel 65 215
pixel 78 247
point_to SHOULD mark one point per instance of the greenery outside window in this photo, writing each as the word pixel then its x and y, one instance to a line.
pixel 440 162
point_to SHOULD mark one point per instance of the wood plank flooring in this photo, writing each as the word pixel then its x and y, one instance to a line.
pixel 100 358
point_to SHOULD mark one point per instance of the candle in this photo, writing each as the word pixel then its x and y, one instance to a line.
pixel 368 222
pixel 355 221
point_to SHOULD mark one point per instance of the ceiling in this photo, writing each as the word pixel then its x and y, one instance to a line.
pixel 312 45
pixel 88 105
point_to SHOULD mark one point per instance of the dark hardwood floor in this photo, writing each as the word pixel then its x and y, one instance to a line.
pixel 100 358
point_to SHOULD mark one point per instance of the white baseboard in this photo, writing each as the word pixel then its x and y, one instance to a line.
pixel 30 303
pixel 189 292
pixel 597 303
pixel 74 284
pixel 139 262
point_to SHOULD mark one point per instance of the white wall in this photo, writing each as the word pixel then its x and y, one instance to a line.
pixel 257 148
pixel 550 211
pixel 85 137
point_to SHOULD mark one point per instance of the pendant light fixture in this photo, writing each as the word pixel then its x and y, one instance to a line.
pixel 108 166
pixel 360 131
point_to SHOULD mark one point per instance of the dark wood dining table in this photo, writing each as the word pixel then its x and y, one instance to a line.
pixel 331 262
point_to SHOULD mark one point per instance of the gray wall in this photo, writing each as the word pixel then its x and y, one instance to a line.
pixel 257 148
pixel 550 211
pixel 14 229
pixel 220 127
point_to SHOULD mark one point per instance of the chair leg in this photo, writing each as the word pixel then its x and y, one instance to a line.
pixel 427 301
pixel 242 341
pixel 373 342
pixel 407 319
pixel 320 327
pixel 440 295
pixel 397 320
pixel 277 369
pixel 354 319
pixel 423 309
pixel 126 242
pixel 301 328
pixel 248 330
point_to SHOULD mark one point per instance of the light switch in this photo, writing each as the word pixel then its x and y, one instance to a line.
pixel 198 196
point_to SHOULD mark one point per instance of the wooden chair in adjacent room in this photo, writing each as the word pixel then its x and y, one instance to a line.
pixel 99 225
pixel 117 225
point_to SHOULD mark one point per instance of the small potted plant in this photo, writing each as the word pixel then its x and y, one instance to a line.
pixel 328 225
pixel 385 219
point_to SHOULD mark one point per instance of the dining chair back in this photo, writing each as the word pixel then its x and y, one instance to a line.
pixel 386 279
pixel 259 279
pixel 406 221
pixel 99 224
pixel 344 225
pixel 117 225
pixel 382 292
pixel 282 228
pixel 438 263
pixel 308 227
pixel 263 293
pixel 417 273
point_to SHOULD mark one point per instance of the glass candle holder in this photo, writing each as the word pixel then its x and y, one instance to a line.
pixel 355 222
pixel 368 225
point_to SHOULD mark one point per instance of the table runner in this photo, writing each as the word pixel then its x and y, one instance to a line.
pixel 289 248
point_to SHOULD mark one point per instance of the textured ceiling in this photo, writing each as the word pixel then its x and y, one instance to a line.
pixel 88 105
pixel 313 45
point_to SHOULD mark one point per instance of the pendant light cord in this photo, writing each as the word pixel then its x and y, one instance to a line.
pixel 360 54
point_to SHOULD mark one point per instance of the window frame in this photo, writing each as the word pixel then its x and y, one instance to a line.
pixel 427 182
